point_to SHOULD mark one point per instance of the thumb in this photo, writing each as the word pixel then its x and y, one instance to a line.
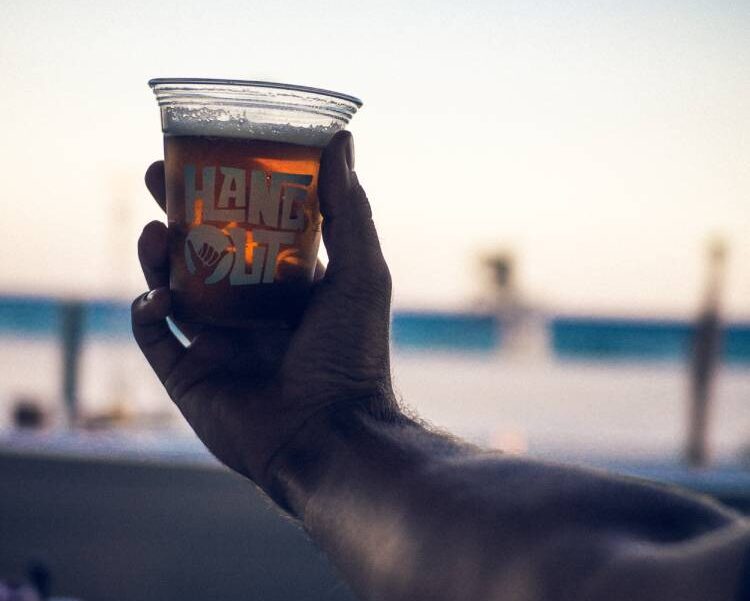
pixel 348 230
pixel 194 254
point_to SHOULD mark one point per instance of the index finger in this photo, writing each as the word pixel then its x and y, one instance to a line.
pixel 155 182
pixel 153 254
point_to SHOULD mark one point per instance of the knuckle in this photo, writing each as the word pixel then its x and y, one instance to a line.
pixel 360 203
pixel 374 285
pixel 135 309
pixel 136 304
pixel 388 282
pixel 153 228
pixel 382 276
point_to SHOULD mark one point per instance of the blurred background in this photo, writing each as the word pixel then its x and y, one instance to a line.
pixel 561 190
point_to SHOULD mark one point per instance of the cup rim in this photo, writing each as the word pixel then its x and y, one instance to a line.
pixel 208 82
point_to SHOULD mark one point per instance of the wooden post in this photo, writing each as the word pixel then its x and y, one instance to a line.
pixel 71 338
pixel 705 360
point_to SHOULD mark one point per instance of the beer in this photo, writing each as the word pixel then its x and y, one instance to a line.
pixel 241 163
pixel 244 227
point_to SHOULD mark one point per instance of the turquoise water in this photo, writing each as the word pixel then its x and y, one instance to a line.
pixel 581 337
pixel 571 337
pixel 39 317
pixel 446 331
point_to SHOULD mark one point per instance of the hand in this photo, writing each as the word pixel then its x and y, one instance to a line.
pixel 247 392
pixel 205 259
pixel 207 255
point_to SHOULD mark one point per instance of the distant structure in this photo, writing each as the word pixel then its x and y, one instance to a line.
pixel 523 329
pixel 506 296
pixel 705 357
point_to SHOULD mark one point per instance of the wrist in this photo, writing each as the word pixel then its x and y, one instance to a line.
pixel 299 468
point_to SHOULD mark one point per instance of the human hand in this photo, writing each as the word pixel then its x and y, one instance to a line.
pixel 247 392
pixel 205 259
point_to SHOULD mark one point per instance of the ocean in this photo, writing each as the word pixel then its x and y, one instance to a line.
pixel 583 386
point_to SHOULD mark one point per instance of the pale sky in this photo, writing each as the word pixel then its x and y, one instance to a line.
pixel 604 142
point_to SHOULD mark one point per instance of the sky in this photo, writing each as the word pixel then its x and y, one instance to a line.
pixel 603 143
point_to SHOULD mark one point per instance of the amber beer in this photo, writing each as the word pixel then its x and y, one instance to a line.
pixel 241 161
pixel 244 227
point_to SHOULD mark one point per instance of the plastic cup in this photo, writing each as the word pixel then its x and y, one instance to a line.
pixel 241 165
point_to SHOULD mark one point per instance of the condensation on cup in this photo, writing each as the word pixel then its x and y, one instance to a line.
pixel 241 163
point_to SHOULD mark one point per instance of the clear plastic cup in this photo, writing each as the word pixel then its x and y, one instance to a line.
pixel 241 165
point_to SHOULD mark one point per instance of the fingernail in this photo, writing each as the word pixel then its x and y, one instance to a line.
pixel 350 152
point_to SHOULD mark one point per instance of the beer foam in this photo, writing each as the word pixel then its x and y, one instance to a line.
pixel 301 128
pixel 251 109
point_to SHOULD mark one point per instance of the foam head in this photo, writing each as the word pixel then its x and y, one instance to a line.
pixel 252 109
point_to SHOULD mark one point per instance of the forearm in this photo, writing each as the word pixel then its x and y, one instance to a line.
pixel 408 514
pixel 361 486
